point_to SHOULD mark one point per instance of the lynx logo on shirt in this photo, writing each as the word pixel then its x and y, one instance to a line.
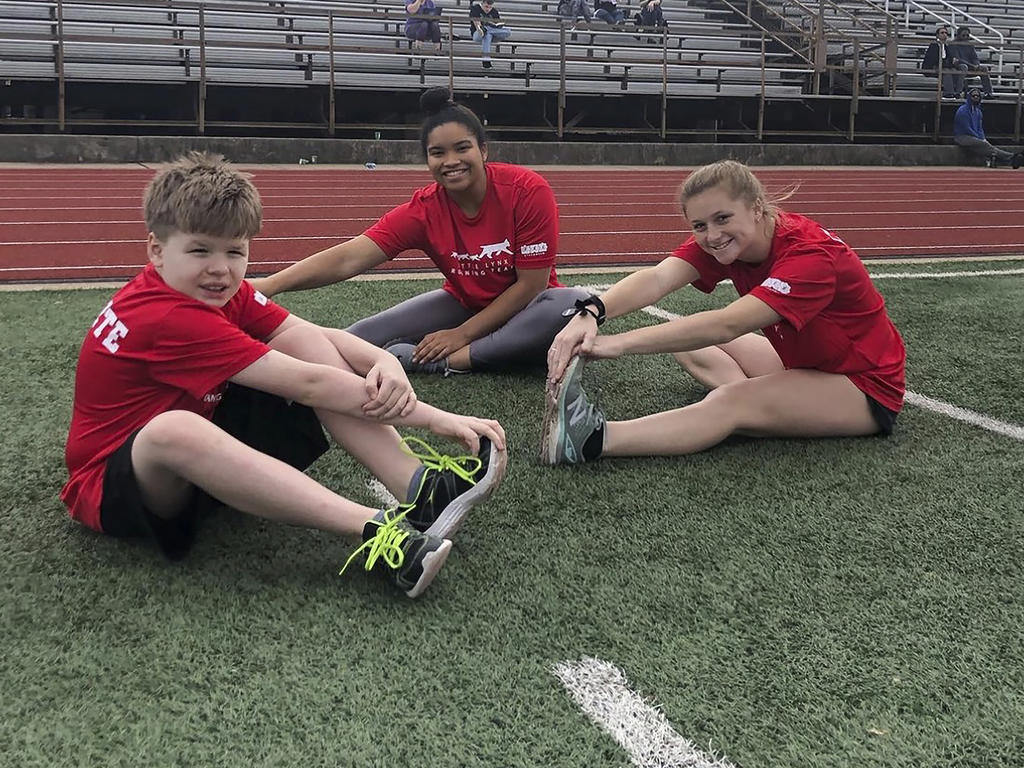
pixel 108 319
pixel 779 286
pixel 486 252
pixel 532 250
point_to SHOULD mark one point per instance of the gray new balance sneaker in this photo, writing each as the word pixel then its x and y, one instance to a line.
pixel 570 418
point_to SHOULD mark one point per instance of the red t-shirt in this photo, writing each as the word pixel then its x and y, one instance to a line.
pixel 152 350
pixel 833 317
pixel 515 228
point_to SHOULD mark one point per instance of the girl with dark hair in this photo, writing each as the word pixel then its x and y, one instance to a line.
pixel 492 231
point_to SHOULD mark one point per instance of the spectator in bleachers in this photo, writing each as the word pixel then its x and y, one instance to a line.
pixel 650 16
pixel 421 23
pixel 487 27
pixel 939 56
pixel 609 12
pixel 492 231
pixel 965 59
pixel 969 132
pixel 573 10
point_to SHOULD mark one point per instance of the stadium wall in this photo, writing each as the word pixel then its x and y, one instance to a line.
pixel 42 148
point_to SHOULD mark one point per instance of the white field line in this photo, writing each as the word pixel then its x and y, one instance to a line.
pixel 966 415
pixel 921 401
pixel 603 693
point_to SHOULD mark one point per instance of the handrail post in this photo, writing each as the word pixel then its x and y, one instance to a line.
pixel 761 101
pixel 202 70
pixel 891 57
pixel 854 89
pixel 561 81
pixel 1020 93
pixel 664 83
pixel 61 93
pixel 332 116
pixel 451 59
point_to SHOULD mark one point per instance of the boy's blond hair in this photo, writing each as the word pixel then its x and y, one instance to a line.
pixel 202 193
pixel 738 182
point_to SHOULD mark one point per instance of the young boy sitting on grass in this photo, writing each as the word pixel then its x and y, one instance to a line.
pixel 145 457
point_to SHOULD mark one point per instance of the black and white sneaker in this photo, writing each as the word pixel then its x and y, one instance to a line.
pixel 452 485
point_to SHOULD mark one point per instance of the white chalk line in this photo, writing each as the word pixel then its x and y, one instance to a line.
pixel 603 693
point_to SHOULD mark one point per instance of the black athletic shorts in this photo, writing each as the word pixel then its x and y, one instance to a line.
pixel 884 417
pixel 287 431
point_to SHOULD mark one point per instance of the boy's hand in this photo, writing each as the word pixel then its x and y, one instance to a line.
pixel 391 395
pixel 468 430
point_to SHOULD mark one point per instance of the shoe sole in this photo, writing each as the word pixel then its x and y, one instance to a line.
pixel 432 563
pixel 554 413
pixel 451 517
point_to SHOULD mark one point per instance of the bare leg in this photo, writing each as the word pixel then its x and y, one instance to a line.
pixel 179 449
pixel 745 357
pixel 795 403
pixel 376 446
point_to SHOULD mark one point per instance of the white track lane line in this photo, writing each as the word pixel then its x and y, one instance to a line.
pixel 949 410
pixel 603 693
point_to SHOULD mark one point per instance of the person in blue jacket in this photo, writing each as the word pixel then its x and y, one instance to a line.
pixel 969 133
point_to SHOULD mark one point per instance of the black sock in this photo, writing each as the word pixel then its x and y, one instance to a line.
pixel 594 445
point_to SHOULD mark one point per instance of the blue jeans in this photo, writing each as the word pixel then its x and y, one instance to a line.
pixel 610 17
pixel 495 34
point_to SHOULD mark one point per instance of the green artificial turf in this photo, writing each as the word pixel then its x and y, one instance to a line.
pixel 789 602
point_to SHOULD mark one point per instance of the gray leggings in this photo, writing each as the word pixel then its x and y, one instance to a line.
pixel 522 341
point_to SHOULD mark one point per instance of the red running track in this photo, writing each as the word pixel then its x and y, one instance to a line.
pixel 84 223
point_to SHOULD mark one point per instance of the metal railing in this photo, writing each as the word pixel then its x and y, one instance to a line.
pixel 318 54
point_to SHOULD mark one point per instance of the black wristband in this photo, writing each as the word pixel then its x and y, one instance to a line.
pixel 596 302
pixel 592 306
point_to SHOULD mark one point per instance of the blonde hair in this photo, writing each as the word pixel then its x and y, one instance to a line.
pixel 202 193
pixel 737 181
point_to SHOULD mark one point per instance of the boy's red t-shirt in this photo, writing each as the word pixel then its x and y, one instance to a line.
pixel 833 317
pixel 515 228
pixel 153 349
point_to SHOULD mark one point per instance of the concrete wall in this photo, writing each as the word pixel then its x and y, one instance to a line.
pixel 45 148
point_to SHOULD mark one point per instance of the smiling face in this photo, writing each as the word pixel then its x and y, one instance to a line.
pixel 207 268
pixel 728 229
pixel 456 161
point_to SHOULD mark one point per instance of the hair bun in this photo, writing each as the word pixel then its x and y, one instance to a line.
pixel 434 100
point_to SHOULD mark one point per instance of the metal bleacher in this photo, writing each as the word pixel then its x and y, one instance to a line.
pixel 712 49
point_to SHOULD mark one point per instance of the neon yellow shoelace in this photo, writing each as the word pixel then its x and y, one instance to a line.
pixel 386 543
pixel 462 466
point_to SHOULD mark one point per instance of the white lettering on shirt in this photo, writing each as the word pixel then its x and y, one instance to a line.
pixel 108 319
pixel 535 248
pixel 486 252
pixel 779 286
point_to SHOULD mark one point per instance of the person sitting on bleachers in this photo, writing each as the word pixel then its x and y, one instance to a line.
pixel 609 12
pixel 572 10
pixel 969 133
pixel 938 55
pixel 650 14
pixel 487 27
pixel 421 23
pixel 965 59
